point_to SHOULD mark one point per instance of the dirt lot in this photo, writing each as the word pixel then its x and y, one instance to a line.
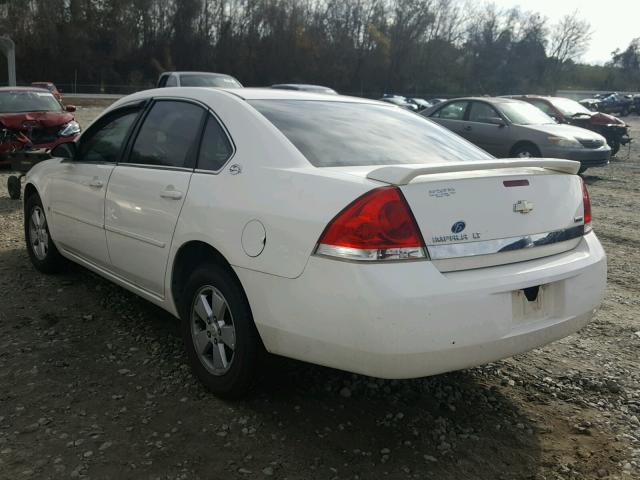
pixel 94 383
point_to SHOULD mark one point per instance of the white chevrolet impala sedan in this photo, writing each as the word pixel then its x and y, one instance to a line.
pixel 335 230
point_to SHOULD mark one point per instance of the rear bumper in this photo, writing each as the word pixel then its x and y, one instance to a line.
pixel 597 157
pixel 407 320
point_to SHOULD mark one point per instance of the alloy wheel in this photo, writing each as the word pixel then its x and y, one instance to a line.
pixel 212 330
pixel 38 234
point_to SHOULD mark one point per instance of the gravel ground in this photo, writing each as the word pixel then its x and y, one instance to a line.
pixel 94 384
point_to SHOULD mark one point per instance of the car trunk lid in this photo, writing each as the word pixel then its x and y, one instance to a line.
pixel 479 214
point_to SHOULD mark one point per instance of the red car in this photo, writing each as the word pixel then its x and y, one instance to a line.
pixel 49 86
pixel 565 110
pixel 32 119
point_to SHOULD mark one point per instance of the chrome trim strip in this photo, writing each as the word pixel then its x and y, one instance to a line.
pixel 369 254
pixel 488 247
pixel 504 258
pixel 78 219
pixel 156 167
pixel 135 236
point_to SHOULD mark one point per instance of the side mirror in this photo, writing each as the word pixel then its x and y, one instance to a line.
pixel 496 121
pixel 70 108
pixel 65 150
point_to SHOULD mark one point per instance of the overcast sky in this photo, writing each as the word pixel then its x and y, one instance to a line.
pixel 614 23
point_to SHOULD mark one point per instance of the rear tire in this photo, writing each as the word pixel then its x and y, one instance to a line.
pixel 526 150
pixel 42 251
pixel 220 337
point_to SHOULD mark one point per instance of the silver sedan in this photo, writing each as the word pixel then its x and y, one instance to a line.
pixel 506 127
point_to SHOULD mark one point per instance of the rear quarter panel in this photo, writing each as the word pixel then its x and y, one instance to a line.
pixel 276 186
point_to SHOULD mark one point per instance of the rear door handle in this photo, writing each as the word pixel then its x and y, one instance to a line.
pixel 171 194
pixel 467 128
pixel 97 183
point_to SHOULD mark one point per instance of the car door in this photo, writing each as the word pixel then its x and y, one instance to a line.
pixel 147 190
pixel 77 191
pixel 483 129
pixel 452 116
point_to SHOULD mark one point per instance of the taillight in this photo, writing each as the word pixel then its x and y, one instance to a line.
pixel 377 226
pixel 587 205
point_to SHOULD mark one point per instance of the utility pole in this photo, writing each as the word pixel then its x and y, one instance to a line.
pixel 9 49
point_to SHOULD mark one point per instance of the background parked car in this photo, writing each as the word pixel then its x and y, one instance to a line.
pixel 197 79
pixel 565 110
pixel 506 127
pixel 400 101
pixel 615 103
pixel 32 119
pixel 304 87
pixel 420 102
pixel 636 104
pixel 609 103
pixel 49 86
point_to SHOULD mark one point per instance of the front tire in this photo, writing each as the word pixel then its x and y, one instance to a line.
pixel 42 251
pixel 221 340
pixel 526 150
pixel 614 144
pixel 13 187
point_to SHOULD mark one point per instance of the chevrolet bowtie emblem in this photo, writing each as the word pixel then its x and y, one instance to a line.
pixel 522 206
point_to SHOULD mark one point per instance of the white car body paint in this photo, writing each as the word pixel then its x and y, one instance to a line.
pixel 387 319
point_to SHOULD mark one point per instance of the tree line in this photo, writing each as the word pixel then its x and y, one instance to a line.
pixel 363 47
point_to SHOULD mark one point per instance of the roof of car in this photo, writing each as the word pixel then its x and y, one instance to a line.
pixel 303 85
pixel 487 99
pixel 282 94
pixel 41 83
pixel 214 74
pixel 22 89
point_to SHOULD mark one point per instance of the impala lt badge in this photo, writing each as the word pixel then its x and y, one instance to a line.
pixel 523 206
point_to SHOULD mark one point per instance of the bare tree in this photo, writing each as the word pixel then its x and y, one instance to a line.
pixel 569 38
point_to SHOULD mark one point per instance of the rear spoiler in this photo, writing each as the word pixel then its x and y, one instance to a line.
pixel 403 174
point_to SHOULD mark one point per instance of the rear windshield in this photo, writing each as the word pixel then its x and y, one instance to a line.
pixel 220 81
pixel 336 134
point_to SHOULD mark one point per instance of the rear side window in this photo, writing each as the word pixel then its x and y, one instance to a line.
pixel 452 111
pixel 103 141
pixel 215 148
pixel 334 134
pixel 168 136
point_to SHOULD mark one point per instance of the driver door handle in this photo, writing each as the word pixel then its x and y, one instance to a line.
pixel 96 183
pixel 171 194
pixel 467 128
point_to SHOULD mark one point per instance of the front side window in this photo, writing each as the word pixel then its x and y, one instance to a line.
pixel 452 111
pixel 168 136
pixel 481 112
pixel 335 134
pixel 215 148
pixel 103 142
